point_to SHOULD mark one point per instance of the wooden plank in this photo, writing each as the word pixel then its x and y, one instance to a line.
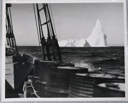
pixel 8 59
pixel 9 73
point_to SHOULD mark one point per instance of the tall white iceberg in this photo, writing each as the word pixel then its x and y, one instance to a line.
pixel 97 37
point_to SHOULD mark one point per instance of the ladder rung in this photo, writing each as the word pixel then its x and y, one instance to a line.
pixel 41 9
pixel 45 22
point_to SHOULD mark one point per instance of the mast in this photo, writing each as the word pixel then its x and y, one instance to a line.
pixel 10 38
pixel 49 44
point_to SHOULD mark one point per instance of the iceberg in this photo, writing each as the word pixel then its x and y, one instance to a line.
pixel 96 39
pixel 72 43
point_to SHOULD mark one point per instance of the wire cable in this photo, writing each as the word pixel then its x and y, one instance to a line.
pixel 36 24
pixel 52 20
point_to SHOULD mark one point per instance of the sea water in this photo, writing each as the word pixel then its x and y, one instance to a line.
pixel 109 59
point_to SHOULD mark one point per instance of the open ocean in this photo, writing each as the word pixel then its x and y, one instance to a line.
pixel 110 59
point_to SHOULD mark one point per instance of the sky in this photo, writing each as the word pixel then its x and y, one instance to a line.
pixel 72 21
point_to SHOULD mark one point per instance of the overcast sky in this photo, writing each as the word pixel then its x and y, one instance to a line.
pixel 72 21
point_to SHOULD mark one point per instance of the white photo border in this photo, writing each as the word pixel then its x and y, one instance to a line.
pixel 63 99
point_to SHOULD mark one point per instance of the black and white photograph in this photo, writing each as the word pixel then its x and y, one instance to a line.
pixel 64 50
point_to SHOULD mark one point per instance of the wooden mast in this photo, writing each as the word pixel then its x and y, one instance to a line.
pixel 50 46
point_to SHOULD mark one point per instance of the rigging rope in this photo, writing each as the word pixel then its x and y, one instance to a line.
pixel 10 38
pixel 52 20
pixel 37 26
